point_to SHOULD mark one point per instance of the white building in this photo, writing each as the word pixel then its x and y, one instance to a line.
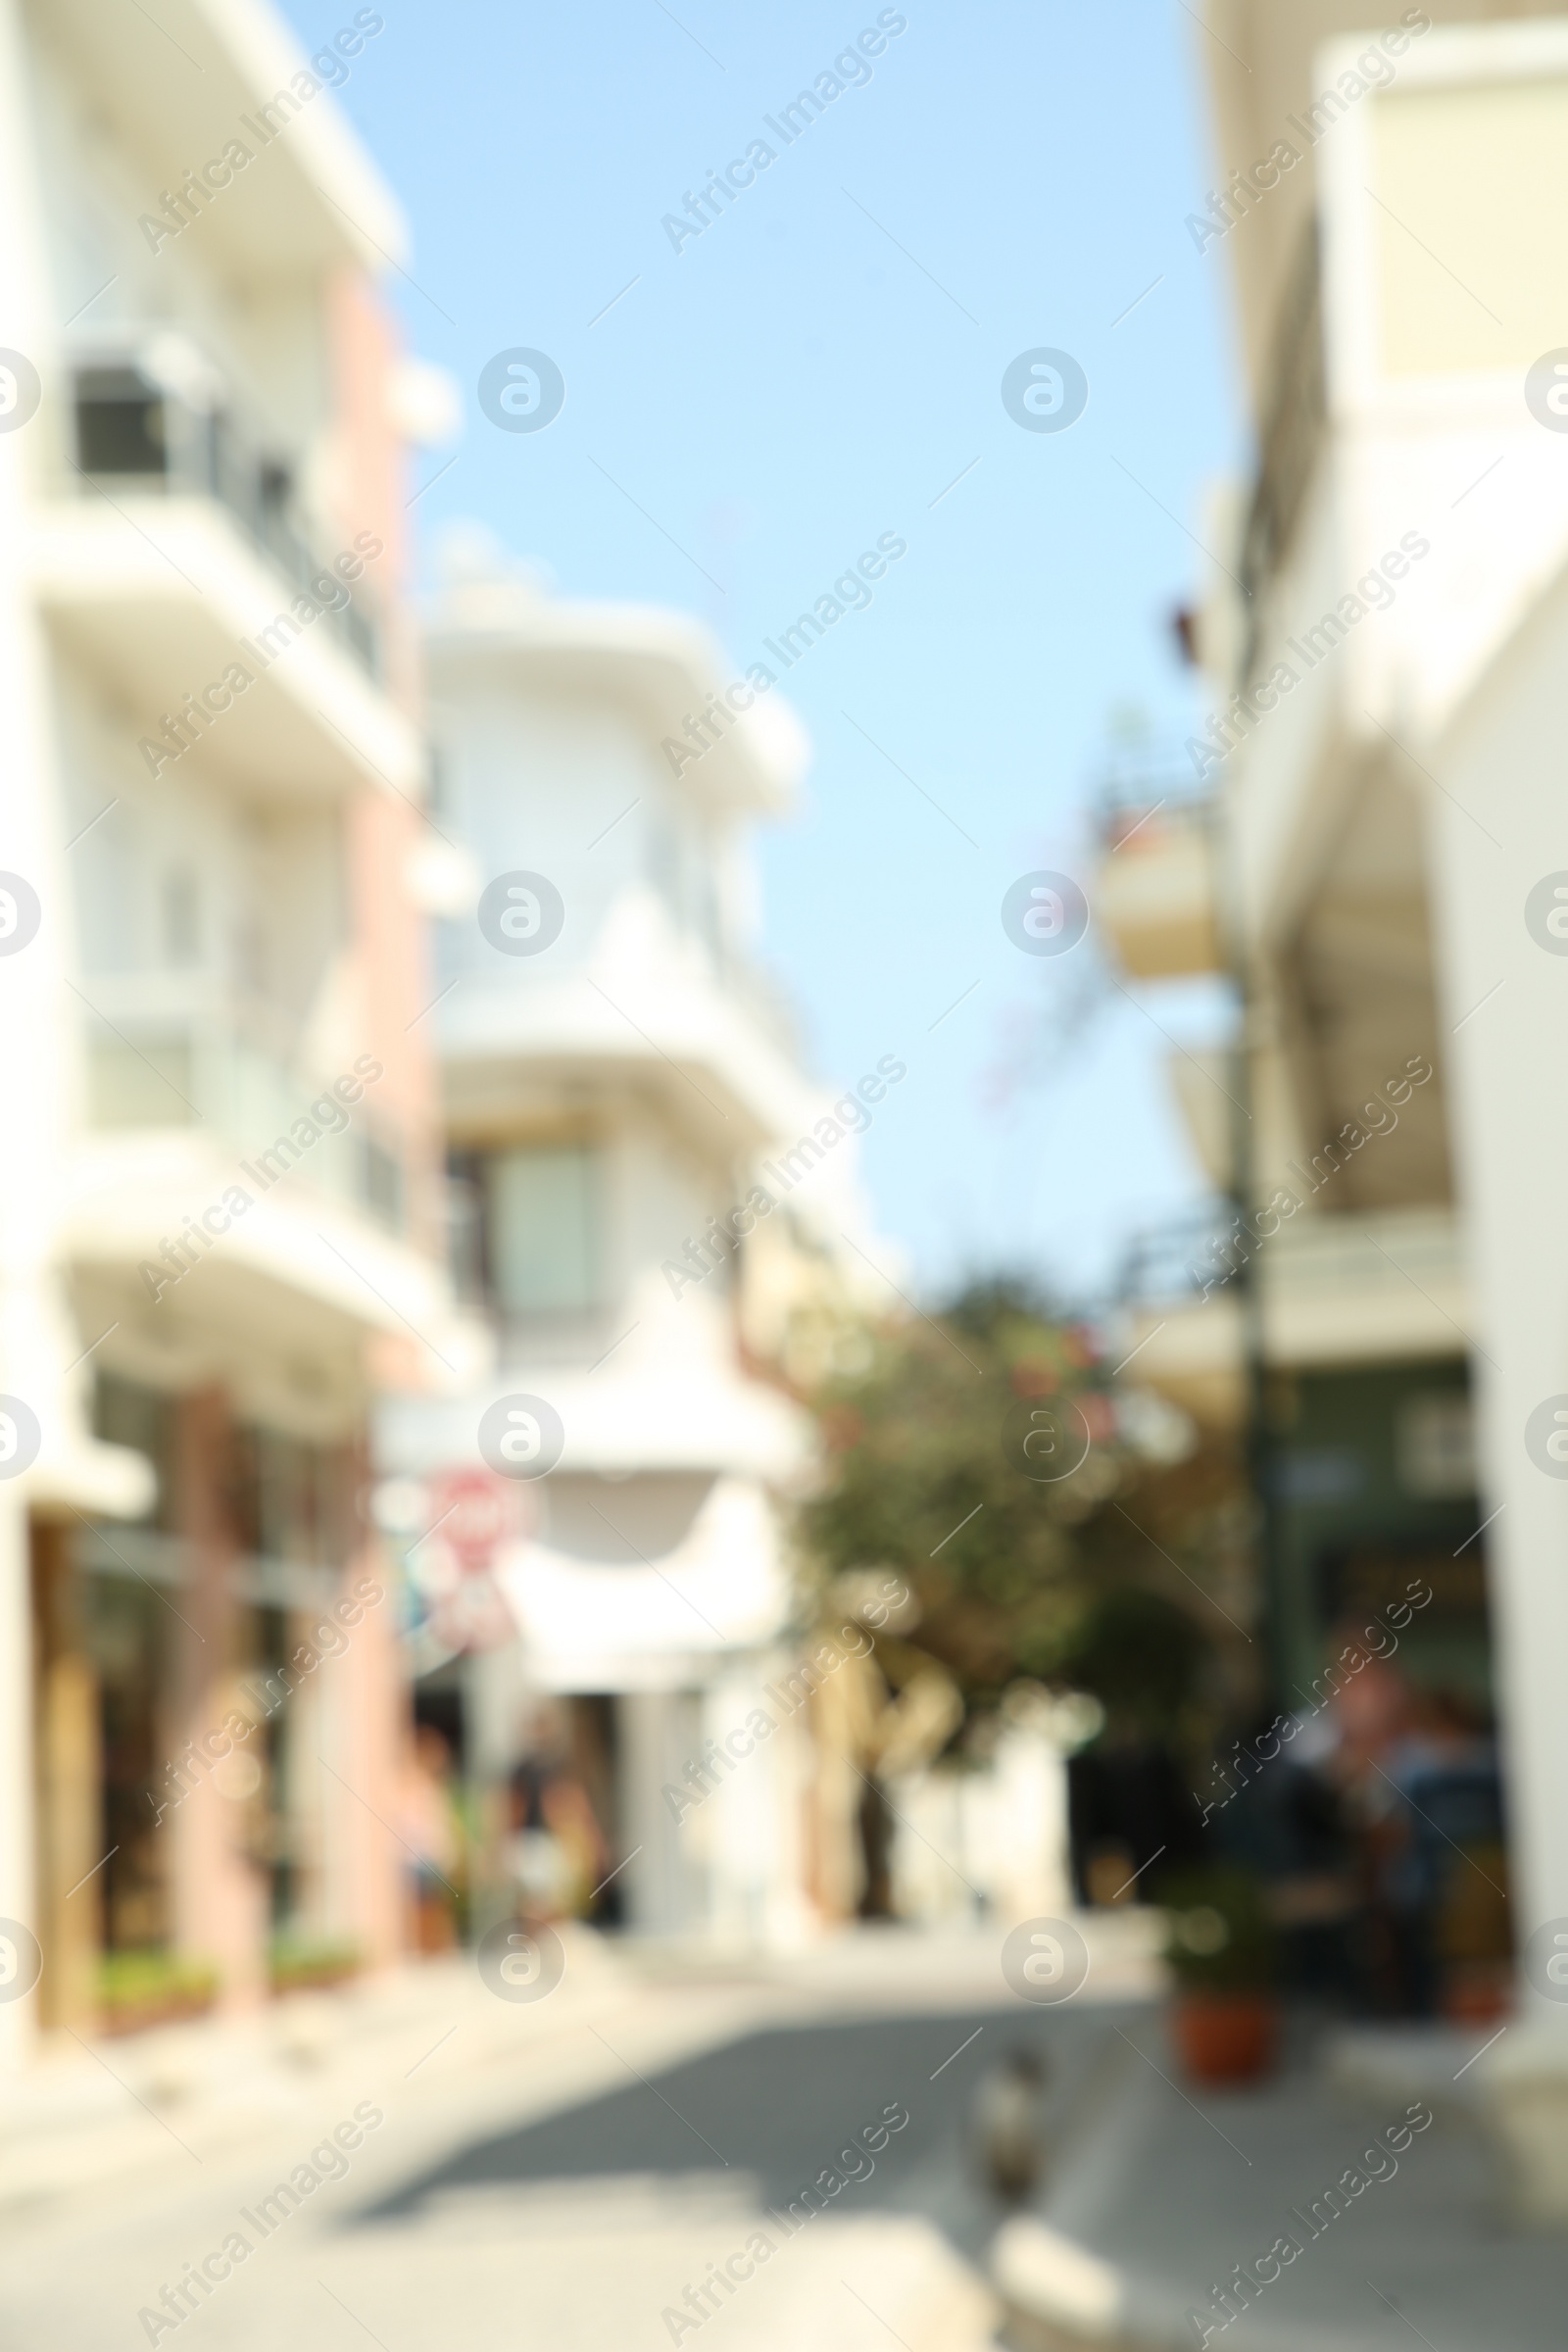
pixel 617 1075
pixel 211 967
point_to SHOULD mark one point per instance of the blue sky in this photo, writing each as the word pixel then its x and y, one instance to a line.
pixel 815 371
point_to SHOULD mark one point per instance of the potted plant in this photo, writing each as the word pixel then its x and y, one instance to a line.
pixel 304 1964
pixel 1221 1950
pixel 152 1988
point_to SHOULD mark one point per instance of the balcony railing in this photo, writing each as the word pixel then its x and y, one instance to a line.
pixel 1155 893
pixel 1131 791
pixel 1162 1264
pixel 1306 1256
pixel 133 430
pixel 157 1070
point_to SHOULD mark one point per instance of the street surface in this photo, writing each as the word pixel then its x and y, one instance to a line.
pixel 555 2175
pixel 416 2163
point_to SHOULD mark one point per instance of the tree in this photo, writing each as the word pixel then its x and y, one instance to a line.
pixel 985 1454
pixel 926 1473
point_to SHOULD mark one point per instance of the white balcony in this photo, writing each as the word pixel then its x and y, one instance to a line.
pixel 159 596
pixel 311 202
pixel 648 1005
pixel 666 1402
pixel 1156 891
pixel 197 1136
pixel 654 667
pixel 1388 1287
pixel 304 1244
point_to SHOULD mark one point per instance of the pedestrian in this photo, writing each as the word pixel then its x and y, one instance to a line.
pixel 556 1849
pixel 431 1840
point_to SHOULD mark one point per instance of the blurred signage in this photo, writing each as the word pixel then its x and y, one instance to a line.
pixel 473 1514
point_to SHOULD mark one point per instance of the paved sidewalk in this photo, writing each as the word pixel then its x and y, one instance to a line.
pixel 1163 2190
pixel 87 2114
pixel 84 2113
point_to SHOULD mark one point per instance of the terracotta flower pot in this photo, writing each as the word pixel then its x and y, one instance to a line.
pixel 1475 1991
pixel 1226 2036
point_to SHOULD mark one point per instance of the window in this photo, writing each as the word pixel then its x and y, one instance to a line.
pixel 119 423
pixel 1435 1446
pixel 290 1501
pixel 125 1413
pixel 181 926
pixel 542 1211
pixel 381 1182
pixel 464 1211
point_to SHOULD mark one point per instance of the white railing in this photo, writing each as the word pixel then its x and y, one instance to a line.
pixel 160 1066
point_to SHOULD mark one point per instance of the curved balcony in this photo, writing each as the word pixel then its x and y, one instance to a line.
pixel 1156 885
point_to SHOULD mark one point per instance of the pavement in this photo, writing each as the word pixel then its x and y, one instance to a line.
pixel 563 2174
pixel 1162 2190
pixel 556 2172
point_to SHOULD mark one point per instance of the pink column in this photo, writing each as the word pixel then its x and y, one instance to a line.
pixel 220 1880
pixel 368 1738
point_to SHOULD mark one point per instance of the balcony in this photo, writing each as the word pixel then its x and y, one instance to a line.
pixel 176 551
pixel 1384 1287
pixel 630 999
pixel 185 1104
pixel 1157 887
pixel 136 433
pixel 318 203
pixel 166 1064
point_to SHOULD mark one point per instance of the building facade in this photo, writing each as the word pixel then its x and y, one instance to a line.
pixel 220 1195
pixel 1378 636
pixel 652 1204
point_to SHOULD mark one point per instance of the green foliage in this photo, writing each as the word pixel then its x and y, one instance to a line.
pixel 1221 1937
pixel 151 1983
pixel 1097 1580
pixel 297 1961
pixel 920 1479
pixel 1141 1657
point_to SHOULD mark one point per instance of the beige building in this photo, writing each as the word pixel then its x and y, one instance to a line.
pixel 1382 632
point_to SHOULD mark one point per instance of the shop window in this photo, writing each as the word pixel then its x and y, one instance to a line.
pixel 125 1413
pixel 1435 1446
pixel 290 1499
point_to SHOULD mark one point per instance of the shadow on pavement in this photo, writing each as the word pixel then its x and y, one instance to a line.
pixel 777 2107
